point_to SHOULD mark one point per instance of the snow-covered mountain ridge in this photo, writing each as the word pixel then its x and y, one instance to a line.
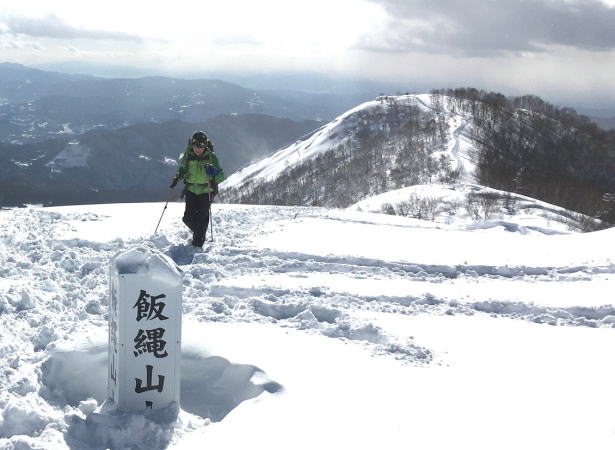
pixel 332 135
pixel 520 145
pixel 387 143
pixel 343 129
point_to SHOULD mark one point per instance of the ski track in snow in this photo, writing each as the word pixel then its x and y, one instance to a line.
pixel 66 292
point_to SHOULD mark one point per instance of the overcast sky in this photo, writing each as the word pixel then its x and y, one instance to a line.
pixel 557 49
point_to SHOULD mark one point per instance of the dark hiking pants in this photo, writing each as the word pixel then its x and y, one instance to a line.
pixel 196 216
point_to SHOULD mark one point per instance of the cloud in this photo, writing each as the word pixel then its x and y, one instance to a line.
pixel 17 44
pixel 52 26
pixel 492 27
pixel 235 40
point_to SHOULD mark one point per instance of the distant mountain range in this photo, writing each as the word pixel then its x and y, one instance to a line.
pixel 81 139
pixel 311 82
pixel 36 105
pixel 134 163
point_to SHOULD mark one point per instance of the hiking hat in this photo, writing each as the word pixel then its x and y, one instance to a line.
pixel 199 138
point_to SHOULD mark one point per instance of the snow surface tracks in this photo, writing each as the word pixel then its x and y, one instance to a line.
pixel 312 270
pixel 53 345
pixel 258 270
pixel 288 265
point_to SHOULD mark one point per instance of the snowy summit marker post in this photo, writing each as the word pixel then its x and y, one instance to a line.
pixel 145 293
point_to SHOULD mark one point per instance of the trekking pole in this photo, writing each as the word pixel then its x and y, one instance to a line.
pixel 211 197
pixel 165 208
pixel 211 221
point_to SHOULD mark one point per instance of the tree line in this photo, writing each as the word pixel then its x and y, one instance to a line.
pixel 531 147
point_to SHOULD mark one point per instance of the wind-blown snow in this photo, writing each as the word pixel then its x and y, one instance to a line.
pixel 314 328
pixel 73 155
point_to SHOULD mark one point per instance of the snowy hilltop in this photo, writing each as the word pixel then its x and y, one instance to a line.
pixel 317 328
pixel 385 144
pixel 459 137
pixel 383 114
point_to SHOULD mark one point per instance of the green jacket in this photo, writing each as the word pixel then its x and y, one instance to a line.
pixel 192 171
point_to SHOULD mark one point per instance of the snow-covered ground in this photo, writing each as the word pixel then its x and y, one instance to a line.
pixel 315 328
pixel 462 205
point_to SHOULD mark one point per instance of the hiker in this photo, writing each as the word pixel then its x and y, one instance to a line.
pixel 200 171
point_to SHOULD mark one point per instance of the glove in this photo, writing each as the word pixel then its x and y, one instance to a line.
pixel 174 182
pixel 212 171
pixel 212 195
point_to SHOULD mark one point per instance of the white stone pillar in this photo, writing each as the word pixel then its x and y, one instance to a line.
pixel 145 311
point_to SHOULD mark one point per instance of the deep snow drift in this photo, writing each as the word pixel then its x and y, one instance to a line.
pixel 314 328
